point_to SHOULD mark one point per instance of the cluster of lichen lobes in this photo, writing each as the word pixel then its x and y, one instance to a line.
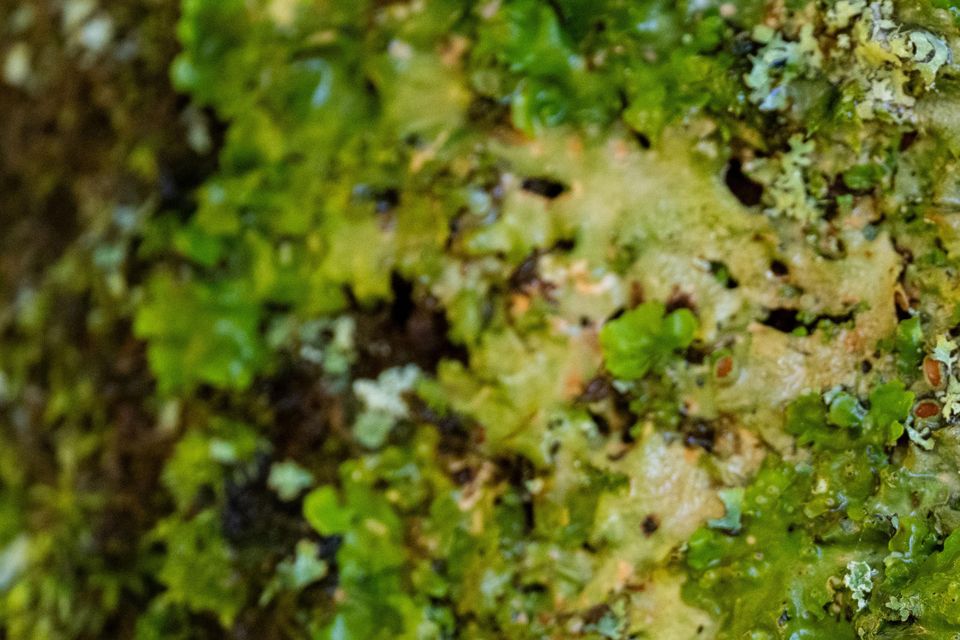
pixel 515 319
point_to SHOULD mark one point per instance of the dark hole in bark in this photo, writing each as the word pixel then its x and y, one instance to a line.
pixel 741 186
pixel 788 320
pixel 907 139
pixel 717 267
pixel 650 525
pixel 546 187
pixel 699 434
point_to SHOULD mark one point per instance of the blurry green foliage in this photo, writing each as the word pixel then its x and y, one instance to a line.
pixel 344 378
pixel 644 338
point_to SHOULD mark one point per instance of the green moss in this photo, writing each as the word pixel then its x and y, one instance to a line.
pixel 644 338
pixel 394 360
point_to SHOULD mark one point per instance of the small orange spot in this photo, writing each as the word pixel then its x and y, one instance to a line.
pixel 933 372
pixel 452 52
pixel 724 366
pixel 573 384
pixel 519 304
pixel 620 150
pixel 926 409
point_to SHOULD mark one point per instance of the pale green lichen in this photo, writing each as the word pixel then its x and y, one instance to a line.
pixel 919 433
pixel 930 54
pixel 945 352
pixel 293 574
pixel 951 399
pixel 778 63
pixel 733 510
pixel 863 50
pixel 786 180
pixel 384 404
pixel 841 14
pixel 288 479
pixel 17 65
pixel 859 579
pixel 906 606
pixel 884 56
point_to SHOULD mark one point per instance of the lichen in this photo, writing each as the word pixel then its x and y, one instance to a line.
pixel 945 352
pixel 787 183
pixel 518 319
pixel 859 580
pixel 906 607
pixel 778 63
pixel 863 50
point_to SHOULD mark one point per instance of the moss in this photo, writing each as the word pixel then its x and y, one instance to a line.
pixel 505 320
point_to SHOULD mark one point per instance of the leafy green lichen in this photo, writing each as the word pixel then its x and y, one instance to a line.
pixel 859 579
pixel 644 339
pixel 402 365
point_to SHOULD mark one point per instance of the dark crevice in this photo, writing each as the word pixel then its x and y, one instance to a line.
pixel 903 302
pixel 650 525
pixel 680 300
pixel 779 268
pixel 621 404
pixel 603 425
pixel 746 190
pixel 596 390
pixel 722 273
pixel 616 314
pixel 463 476
pixel 831 247
pixel 403 306
pixel 785 320
pixel 307 416
pixel 696 353
pixel 386 200
pixel 698 433
pixel 412 329
pixel 902 310
pixel 485 112
pixel 526 273
pixel 790 320
pixel 456 435
pixel 546 187
pixel 642 140
pixel 593 615
pixel 907 140
pixel 519 471
pixel 253 515
pixel 454 228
